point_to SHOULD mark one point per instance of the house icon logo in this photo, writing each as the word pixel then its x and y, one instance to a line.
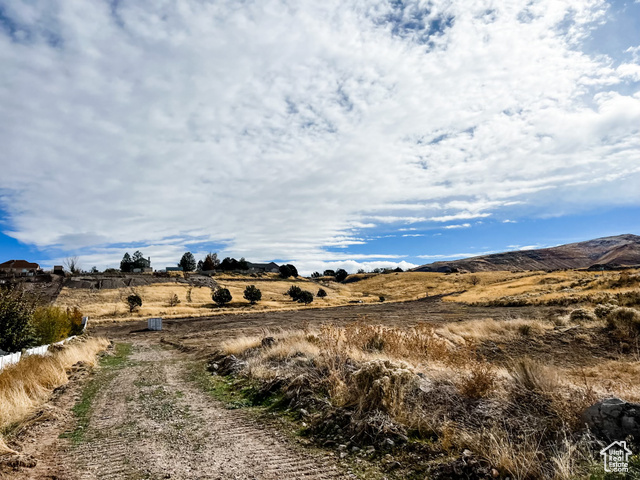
pixel 616 457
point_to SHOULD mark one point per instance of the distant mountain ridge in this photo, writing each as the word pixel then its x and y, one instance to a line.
pixel 608 252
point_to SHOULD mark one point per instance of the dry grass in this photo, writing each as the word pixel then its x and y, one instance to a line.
pixel 491 329
pixel 522 420
pixel 482 287
pixel 27 384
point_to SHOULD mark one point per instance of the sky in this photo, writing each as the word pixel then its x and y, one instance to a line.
pixel 335 134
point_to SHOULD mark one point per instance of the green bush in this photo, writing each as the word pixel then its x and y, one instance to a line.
pixel 305 297
pixel 222 296
pixel 341 275
pixel 252 294
pixel 294 292
pixel 16 313
pixel 288 270
pixel 51 324
pixel 321 293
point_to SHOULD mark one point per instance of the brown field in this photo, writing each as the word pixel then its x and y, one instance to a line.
pixel 484 287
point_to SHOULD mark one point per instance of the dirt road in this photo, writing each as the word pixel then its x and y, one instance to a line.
pixel 150 420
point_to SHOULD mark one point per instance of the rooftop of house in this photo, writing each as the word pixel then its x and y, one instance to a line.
pixel 19 264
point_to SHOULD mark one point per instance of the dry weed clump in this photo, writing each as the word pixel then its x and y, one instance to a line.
pixel 28 383
pixel 625 322
pixel 534 376
pixel 382 385
pixel 603 309
pixel 580 315
pixel 369 384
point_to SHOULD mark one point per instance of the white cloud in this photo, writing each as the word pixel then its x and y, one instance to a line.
pixel 277 129
pixel 462 225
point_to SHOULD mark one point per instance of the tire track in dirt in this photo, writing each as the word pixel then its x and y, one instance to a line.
pixel 150 422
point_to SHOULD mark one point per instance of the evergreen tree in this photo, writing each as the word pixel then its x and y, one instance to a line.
pixel 126 265
pixel 210 262
pixel 305 297
pixel 222 296
pixel 252 294
pixel 187 262
pixel 294 292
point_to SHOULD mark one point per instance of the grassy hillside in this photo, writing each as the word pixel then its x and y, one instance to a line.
pixel 499 288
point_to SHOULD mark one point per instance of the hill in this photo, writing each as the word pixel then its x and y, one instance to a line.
pixel 607 252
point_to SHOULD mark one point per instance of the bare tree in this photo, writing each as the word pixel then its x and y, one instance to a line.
pixel 72 264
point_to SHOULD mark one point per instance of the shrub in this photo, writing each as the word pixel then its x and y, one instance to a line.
pixel 603 310
pixel 381 298
pixel 305 297
pixel 341 275
pixel 525 329
pixel 480 381
pixel 294 292
pixel 222 296
pixel 288 270
pixel 582 315
pixel 75 321
pixel 626 321
pixel 315 275
pixel 321 293
pixel 16 313
pixel 51 324
pixel 252 294
pixel 173 300
pixel 329 273
pixel 134 301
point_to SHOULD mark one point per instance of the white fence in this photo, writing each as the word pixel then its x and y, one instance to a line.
pixel 10 359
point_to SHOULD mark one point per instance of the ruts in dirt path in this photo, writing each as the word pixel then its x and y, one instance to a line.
pixel 148 420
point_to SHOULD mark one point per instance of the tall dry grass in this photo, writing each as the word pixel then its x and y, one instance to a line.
pixel 28 384
pixel 523 419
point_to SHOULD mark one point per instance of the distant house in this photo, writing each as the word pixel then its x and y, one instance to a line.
pixel 263 267
pixel 143 265
pixel 19 267
pixel 58 270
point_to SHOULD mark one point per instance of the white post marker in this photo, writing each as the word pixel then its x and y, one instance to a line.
pixel 85 321
pixel 154 324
